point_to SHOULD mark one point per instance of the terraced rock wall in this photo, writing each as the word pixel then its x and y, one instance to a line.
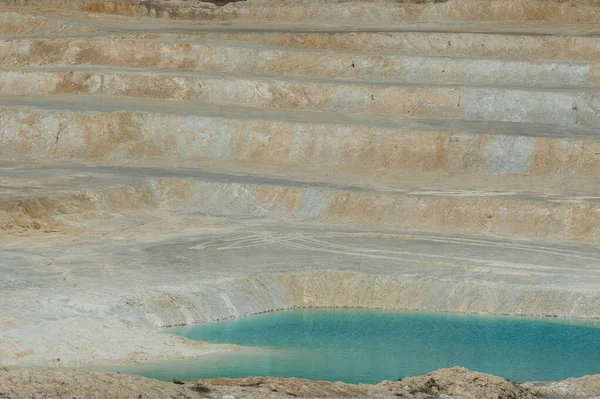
pixel 176 162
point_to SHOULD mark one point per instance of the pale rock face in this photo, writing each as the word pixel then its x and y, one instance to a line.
pixel 510 155
pixel 171 162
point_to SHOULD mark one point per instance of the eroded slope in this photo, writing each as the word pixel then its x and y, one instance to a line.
pixel 169 163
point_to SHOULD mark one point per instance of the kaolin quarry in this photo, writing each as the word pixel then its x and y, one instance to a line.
pixel 166 162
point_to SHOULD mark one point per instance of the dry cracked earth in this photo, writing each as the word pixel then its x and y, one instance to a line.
pixel 176 162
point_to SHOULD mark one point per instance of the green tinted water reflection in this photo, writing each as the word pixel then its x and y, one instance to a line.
pixel 371 345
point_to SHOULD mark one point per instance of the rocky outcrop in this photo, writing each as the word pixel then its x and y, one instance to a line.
pixel 460 383
pixel 584 387
pixel 455 382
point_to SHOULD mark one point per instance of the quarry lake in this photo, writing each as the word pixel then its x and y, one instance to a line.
pixel 367 346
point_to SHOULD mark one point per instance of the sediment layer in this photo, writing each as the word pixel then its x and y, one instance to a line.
pixel 167 163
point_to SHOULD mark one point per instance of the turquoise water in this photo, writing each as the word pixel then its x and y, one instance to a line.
pixel 369 346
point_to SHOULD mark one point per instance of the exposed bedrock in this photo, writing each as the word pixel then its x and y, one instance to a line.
pixel 303 138
pixel 173 162
pixel 455 382
pixel 266 293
